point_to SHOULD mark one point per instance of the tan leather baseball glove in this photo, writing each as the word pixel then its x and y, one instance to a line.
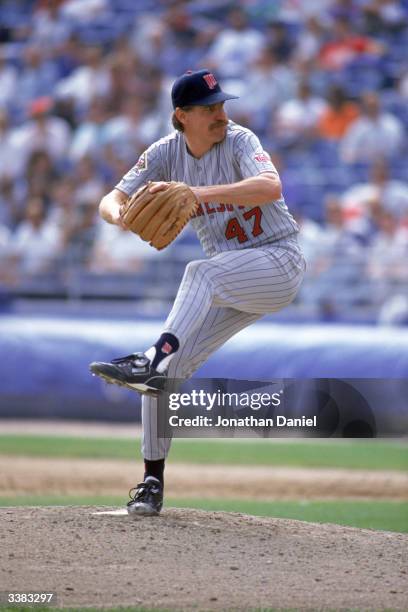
pixel 159 217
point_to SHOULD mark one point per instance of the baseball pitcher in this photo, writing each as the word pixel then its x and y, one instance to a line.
pixel 216 173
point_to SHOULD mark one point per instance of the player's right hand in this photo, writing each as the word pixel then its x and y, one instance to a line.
pixel 158 186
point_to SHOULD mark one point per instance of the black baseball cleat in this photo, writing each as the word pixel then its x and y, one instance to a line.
pixel 133 371
pixel 147 499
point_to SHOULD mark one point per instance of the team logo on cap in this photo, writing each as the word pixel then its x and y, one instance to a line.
pixel 210 80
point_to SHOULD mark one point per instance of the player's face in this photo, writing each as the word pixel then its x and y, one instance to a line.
pixel 208 122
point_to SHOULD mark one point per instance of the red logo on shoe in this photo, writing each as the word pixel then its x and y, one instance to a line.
pixel 167 348
pixel 210 80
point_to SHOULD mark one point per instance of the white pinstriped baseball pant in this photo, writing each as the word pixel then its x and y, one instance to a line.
pixel 217 298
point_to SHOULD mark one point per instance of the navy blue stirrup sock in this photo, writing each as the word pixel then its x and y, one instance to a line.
pixel 154 468
pixel 166 345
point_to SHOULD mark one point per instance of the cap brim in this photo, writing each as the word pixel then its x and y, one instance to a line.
pixel 214 98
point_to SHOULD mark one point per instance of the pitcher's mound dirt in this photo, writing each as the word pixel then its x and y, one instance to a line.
pixel 188 559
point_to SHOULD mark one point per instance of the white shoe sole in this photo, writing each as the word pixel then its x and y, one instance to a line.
pixel 144 389
pixel 142 509
pixel 139 387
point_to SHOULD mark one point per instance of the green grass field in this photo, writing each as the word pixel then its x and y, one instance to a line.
pixel 333 453
pixel 367 514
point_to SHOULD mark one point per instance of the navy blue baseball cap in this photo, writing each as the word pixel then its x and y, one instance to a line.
pixel 198 88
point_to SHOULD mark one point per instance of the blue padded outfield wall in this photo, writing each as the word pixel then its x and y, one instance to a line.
pixel 44 363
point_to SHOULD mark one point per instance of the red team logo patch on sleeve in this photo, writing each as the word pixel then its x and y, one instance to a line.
pixel 262 157
pixel 141 164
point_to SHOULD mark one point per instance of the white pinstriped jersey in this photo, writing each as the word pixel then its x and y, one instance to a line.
pixel 220 227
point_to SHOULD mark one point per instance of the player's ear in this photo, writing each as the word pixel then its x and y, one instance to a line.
pixel 179 117
pixel 180 114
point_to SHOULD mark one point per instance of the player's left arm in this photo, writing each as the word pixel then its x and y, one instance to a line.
pixel 255 190
pixel 260 182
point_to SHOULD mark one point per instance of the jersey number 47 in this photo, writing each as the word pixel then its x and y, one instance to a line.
pixel 234 228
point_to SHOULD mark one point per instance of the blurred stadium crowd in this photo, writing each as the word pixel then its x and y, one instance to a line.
pixel 84 89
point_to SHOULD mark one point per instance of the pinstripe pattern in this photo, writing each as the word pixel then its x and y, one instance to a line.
pixel 216 299
pixel 239 156
pixel 254 280
pixel 255 264
pixel 218 326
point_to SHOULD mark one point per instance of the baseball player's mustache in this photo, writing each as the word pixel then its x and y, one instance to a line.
pixel 219 124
